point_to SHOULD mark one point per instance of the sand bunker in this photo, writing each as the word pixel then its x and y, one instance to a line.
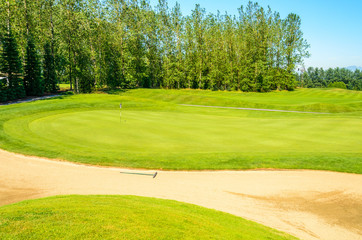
pixel 306 204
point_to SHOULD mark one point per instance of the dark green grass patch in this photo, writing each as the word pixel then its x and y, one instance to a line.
pixel 123 217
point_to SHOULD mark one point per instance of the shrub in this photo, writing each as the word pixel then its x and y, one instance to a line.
pixel 337 85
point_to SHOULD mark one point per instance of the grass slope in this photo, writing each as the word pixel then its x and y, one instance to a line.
pixel 305 99
pixel 155 132
pixel 123 217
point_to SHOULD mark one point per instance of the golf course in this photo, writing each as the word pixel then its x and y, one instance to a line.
pixel 185 120
pixel 90 140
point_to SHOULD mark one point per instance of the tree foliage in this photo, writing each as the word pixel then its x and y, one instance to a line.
pixel 127 43
pixel 12 68
pixel 49 74
pixel 337 77
pixel 32 78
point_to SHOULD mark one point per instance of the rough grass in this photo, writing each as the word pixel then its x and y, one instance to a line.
pixel 123 217
pixel 155 132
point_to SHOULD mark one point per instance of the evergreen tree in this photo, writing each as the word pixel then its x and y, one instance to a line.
pixel 318 78
pixel 12 67
pixel 32 79
pixel 3 89
pixel 3 85
pixel 49 75
pixel 3 79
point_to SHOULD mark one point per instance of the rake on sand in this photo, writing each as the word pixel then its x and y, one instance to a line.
pixel 145 174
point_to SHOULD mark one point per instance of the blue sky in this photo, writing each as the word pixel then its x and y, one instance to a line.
pixel 333 28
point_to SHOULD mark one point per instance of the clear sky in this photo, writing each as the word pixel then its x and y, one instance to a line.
pixel 333 28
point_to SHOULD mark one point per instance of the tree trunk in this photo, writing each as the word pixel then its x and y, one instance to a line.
pixel 69 52
pixel 76 87
pixel 70 66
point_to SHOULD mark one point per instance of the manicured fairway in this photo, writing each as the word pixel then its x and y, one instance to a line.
pixel 123 217
pixel 154 132
pixel 309 100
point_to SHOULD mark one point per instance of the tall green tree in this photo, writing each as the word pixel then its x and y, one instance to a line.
pixel 12 67
pixel 49 72
pixel 296 48
pixel 153 51
pixel 32 77
pixel 216 56
pixel 3 89
pixel 198 24
pixel 177 25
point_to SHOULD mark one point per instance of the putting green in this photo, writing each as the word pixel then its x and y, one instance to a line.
pixel 163 135
pixel 177 133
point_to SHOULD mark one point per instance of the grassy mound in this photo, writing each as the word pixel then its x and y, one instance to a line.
pixel 123 217
pixel 155 132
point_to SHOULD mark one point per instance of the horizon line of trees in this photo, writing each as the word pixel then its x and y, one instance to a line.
pixel 330 78
pixel 127 44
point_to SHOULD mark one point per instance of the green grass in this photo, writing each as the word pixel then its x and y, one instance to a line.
pixel 305 99
pixel 155 132
pixel 123 217
pixel 64 86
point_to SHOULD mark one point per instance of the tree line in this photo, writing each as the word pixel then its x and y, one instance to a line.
pixel 127 44
pixel 333 77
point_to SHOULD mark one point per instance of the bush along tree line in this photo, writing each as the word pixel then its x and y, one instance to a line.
pixel 331 78
pixel 127 44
